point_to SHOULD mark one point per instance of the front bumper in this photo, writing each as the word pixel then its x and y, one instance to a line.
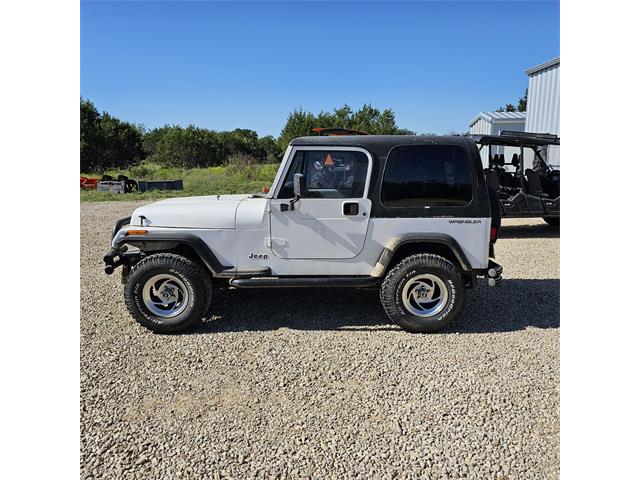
pixel 115 258
pixel 118 255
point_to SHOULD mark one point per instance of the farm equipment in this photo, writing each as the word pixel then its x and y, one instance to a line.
pixel 145 186
pixel 123 184
pixel 110 182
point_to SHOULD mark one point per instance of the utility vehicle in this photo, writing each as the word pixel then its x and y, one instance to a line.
pixel 523 192
pixel 408 215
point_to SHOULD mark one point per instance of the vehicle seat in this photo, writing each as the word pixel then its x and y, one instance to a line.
pixel 514 181
pixel 501 160
pixel 534 185
pixel 492 179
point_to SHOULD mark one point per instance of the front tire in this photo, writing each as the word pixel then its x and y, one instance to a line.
pixel 167 293
pixel 423 293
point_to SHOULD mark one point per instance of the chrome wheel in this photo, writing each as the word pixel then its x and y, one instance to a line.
pixel 165 295
pixel 425 295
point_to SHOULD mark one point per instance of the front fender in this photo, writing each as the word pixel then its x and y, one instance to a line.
pixel 166 239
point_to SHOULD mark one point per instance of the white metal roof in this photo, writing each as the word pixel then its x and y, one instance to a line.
pixel 491 117
pixel 542 66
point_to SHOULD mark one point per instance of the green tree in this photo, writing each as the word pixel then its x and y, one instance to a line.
pixel 189 147
pixel 198 147
pixel 299 123
pixel 368 119
pixel 90 141
pixel 107 142
pixel 522 103
pixel 151 138
pixel 270 151
pixel 121 143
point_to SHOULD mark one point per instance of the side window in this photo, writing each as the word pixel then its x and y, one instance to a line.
pixel 427 175
pixel 329 173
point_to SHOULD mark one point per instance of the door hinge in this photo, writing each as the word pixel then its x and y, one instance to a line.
pixel 267 242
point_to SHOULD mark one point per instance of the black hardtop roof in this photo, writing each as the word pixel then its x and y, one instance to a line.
pixel 379 147
pixel 379 142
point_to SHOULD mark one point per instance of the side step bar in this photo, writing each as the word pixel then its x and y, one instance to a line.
pixel 269 282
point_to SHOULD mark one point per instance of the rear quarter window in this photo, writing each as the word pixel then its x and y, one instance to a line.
pixel 427 175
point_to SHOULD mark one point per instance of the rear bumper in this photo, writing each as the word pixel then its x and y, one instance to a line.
pixel 494 273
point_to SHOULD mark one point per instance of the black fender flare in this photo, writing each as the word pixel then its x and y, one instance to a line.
pixel 165 239
pixel 396 242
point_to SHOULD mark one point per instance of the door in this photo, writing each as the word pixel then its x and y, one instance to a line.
pixel 332 220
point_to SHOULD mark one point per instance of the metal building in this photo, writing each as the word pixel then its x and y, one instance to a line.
pixel 492 123
pixel 543 103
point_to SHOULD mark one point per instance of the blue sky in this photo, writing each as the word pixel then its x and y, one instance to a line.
pixel 247 65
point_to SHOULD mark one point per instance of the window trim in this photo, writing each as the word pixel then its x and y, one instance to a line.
pixel 427 207
pixel 292 154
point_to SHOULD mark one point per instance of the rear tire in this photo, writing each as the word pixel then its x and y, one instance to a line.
pixel 553 221
pixel 167 293
pixel 423 293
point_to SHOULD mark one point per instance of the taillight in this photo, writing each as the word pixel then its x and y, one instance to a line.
pixel 493 235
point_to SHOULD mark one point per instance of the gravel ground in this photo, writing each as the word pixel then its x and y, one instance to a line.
pixel 319 385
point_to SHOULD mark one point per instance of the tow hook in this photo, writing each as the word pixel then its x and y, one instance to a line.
pixel 494 274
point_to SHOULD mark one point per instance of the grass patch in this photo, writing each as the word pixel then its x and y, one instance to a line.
pixel 197 181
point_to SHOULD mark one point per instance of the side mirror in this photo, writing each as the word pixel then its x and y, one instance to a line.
pixel 299 186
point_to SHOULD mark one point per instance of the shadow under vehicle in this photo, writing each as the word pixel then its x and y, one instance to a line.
pixel 523 193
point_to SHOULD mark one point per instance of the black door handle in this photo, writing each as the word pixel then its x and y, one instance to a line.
pixel 350 208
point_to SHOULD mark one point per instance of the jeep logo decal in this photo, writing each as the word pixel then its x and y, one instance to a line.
pixel 259 256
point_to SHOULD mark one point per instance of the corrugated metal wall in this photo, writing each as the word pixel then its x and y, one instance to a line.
pixel 543 106
pixel 481 127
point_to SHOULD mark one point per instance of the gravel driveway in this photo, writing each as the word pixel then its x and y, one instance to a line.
pixel 316 384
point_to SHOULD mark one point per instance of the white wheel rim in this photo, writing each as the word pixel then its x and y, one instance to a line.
pixel 165 295
pixel 425 295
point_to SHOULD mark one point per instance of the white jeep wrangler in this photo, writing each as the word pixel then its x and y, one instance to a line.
pixel 409 215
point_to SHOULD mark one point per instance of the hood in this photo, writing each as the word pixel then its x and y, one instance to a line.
pixel 211 211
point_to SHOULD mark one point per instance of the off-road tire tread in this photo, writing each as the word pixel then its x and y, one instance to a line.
pixel 387 290
pixel 191 268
